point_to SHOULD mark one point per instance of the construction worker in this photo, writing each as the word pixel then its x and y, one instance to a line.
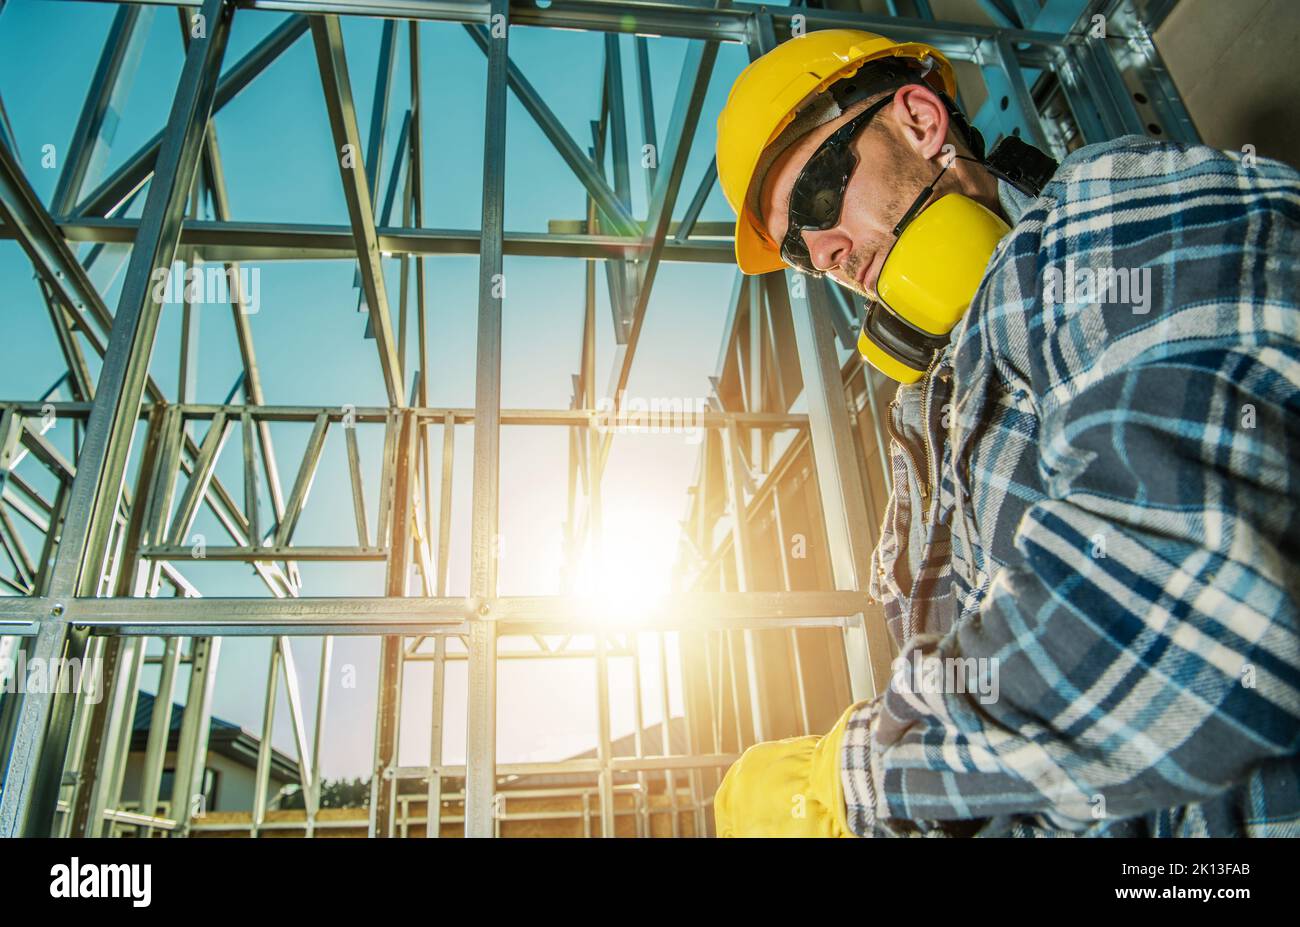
pixel 1095 461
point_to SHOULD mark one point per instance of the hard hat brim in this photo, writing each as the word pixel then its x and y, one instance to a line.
pixel 754 251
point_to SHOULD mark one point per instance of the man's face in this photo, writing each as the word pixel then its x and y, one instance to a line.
pixel 888 176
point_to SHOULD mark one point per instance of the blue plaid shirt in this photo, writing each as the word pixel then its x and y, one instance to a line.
pixel 1096 507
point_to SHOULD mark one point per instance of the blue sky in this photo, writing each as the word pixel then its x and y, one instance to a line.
pixel 277 153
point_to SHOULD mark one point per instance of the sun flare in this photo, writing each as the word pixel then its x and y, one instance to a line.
pixel 629 571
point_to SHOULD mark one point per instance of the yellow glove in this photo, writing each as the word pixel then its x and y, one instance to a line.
pixel 786 788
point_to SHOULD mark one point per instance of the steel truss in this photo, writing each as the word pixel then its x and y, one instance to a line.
pixel 769 647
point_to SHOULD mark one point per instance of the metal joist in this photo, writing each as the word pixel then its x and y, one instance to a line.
pixel 648 130
pixel 383 787
pixel 480 747
pixel 104 102
pixel 113 192
pixel 302 484
pixel 327 35
pixel 26 220
pixel 1107 93
pixel 379 108
pixel 729 22
pixel 697 68
pixel 1139 54
pixel 192 745
pixel 839 481
pixel 617 112
pixel 696 206
pixel 307 616
pixel 1009 109
pixel 587 172
pixel 375 148
pixel 278 241
pixel 204 467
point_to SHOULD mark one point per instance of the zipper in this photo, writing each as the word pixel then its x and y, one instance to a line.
pixel 907 452
pixel 925 425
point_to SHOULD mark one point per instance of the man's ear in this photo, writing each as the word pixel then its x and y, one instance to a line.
pixel 922 119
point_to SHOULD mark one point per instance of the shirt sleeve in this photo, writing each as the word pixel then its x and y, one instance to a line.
pixel 1141 651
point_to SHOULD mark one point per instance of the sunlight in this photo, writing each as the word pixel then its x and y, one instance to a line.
pixel 630 572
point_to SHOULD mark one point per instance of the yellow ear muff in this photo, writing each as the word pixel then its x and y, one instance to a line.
pixel 937 263
pixel 927 283
pixel 885 362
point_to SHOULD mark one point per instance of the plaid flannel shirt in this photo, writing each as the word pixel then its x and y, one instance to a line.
pixel 1102 504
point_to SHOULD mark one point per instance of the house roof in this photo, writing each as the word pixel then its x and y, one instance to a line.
pixel 224 737
pixel 144 716
pixel 651 744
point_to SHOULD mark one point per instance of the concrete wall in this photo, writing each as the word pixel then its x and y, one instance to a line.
pixel 1234 64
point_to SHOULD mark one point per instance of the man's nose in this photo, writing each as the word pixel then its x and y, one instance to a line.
pixel 828 248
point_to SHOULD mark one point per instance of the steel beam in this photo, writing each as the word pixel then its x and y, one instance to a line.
pixel 26 220
pixel 102 110
pixel 107 731
pixel 839 482
pixel 159 728
pixel 693 20
pixel 692 86
pixel 273 241
pixel 760 709
pixel 114 191
pixel 696 206
pixel 327 35
pixel 383 787
pixel 648 130
pixel 192 745
pixel 587 172
pixel 372 615
pixel 481 729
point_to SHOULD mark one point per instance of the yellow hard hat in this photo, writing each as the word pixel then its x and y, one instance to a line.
pixel 766 97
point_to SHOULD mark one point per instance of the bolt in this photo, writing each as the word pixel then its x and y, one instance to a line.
pixel 57 610
pixel 484 609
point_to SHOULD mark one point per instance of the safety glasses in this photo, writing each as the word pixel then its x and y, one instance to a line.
pixel 817 197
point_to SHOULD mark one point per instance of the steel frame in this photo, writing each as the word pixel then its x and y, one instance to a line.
pixel 763 652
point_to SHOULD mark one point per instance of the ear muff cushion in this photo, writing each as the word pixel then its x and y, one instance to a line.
pixel 903 342
pixel 884 362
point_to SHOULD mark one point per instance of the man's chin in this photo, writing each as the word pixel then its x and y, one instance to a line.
pixel 864 291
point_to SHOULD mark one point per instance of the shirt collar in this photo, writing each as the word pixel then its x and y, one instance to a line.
pixel 1014 203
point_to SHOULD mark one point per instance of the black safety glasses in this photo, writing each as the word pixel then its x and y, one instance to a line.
pixel 817 197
